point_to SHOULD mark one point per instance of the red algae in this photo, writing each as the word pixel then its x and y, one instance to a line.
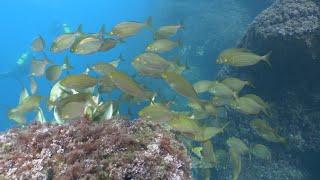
pixel 114 149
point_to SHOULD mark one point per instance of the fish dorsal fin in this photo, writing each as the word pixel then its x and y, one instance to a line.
pixel 79 29
pixel 42 40
pixel 66 63
pixel 115 63
pixel 102 31
pixel 149 22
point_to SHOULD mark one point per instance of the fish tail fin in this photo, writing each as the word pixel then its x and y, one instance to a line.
pixel 266 58
pixel 179 42
pixel 79 29
pixel 176 60
pixel 188 67
pixel 250 84
pixel 121 58
pixel 225 125
pixel 182 67
pixel 268 106
pixel 200 103
pixel 283 140
pixel 121 40
pixel 156 36
pixel 235 95
pixel 149 22
pixel 182 26
pixel 266 112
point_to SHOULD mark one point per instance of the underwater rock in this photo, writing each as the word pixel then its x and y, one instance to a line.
pixel 115 149
pixel 288 19
pixel 291 30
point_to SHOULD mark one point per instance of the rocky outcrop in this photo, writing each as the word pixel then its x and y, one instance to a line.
pixel 291 30
pixel 116 149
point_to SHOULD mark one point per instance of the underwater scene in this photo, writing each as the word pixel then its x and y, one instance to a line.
pixel 167 89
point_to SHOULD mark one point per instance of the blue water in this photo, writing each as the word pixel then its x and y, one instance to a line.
pixel 210 26
pixel 208 31
pixel 22 21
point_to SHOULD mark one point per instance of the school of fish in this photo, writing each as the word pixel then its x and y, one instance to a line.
pixel 83 95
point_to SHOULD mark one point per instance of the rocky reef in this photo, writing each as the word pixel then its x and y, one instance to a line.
pixel 291 30
pixel 115 149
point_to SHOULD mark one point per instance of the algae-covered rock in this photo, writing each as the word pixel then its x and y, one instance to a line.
pixel 116 149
